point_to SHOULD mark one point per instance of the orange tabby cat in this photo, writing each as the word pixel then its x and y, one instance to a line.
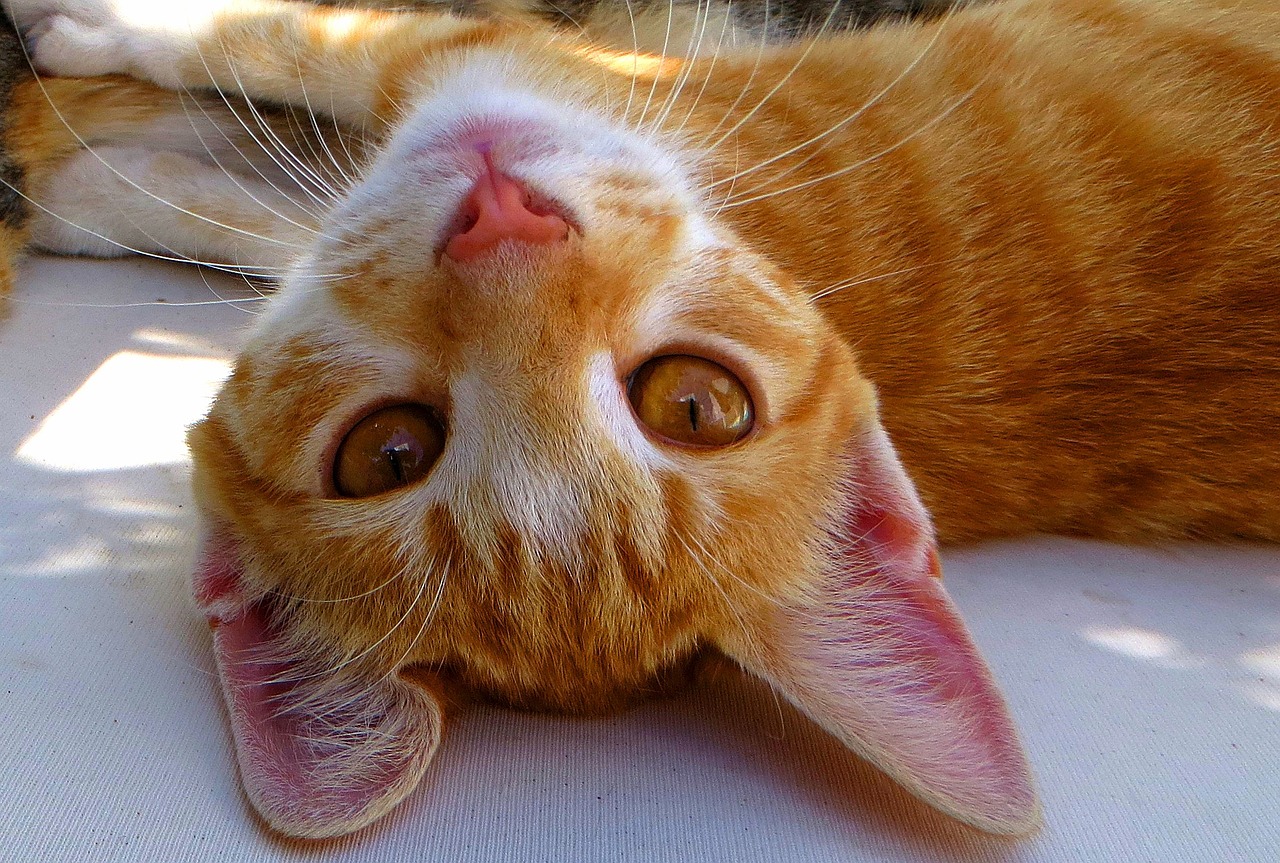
pixel 575 378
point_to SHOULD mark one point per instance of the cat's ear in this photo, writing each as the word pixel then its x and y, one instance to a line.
pixel 877 654
pixel 322 751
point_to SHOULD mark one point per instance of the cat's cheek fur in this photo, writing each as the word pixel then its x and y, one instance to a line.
pixel 875 652
pixel 322 751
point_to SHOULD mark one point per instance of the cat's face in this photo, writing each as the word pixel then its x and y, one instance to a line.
pixel 553 466
pixel 563 546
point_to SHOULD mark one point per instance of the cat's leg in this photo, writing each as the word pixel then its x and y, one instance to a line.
pixel 167 204
pixel 354 64
pixel 110 165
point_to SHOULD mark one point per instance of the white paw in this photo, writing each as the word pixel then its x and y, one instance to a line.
pixel 98 37
pixel 61 45
pixel 27 13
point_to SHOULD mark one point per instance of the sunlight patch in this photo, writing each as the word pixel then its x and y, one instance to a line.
pixel 84 554
pixel 1131 641
pixel 187 343
pixel 1264 661
pixel 1143 644
pixel 643 66
pixel 1262 695
pixel 133 411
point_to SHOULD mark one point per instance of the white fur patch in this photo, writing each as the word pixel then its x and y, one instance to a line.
pixel 616 417
pixel 488 466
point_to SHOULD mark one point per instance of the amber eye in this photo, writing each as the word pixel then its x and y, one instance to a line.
pixel 691 400
pixel 389 448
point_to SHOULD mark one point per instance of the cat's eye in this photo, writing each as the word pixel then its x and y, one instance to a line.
pixel 390 448
pixel 691 400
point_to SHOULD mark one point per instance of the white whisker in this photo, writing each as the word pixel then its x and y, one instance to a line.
pixel 850 283
pixel 657 76
pixel 341 134
pixel 427 619
pixel 635 59
pixel 205 279
pixel 277 147
pixel 696 34
pixel 137 187
pixel 747 634
pixel 234 179
pixel 237 270
pixel 804 55
pixel 566 16
pixel 345 177
pixel 320 137
pixel 365 651
pixel 728 195
pixel 867 161
pixel 223 302
pixel 851 118
pixel 715 56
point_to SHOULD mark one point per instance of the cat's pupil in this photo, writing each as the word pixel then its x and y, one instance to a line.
pixel 691 400
pixel 388 449
pixel 399 455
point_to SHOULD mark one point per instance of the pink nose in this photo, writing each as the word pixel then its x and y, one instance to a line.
pixel 498 208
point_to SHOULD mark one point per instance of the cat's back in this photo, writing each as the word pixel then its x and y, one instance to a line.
pixel 1066 218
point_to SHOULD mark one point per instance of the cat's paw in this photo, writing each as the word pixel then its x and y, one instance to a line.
pixel 62 45
pixel 25 13
pixel 33 17
pixel 99 37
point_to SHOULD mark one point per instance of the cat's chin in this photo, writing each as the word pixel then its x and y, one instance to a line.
pixel 585 700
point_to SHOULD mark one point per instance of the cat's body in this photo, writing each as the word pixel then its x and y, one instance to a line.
pixel 606 321
pixel 1073 313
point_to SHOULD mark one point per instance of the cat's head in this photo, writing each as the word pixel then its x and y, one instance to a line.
pixel 529 421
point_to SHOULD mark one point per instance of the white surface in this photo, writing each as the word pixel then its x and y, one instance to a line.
pixel 1146 682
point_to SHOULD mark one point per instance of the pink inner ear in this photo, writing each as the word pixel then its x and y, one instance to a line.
pixel 322 752
pixel 878 655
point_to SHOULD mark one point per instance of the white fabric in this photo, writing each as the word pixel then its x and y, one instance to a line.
pixel 1146 682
